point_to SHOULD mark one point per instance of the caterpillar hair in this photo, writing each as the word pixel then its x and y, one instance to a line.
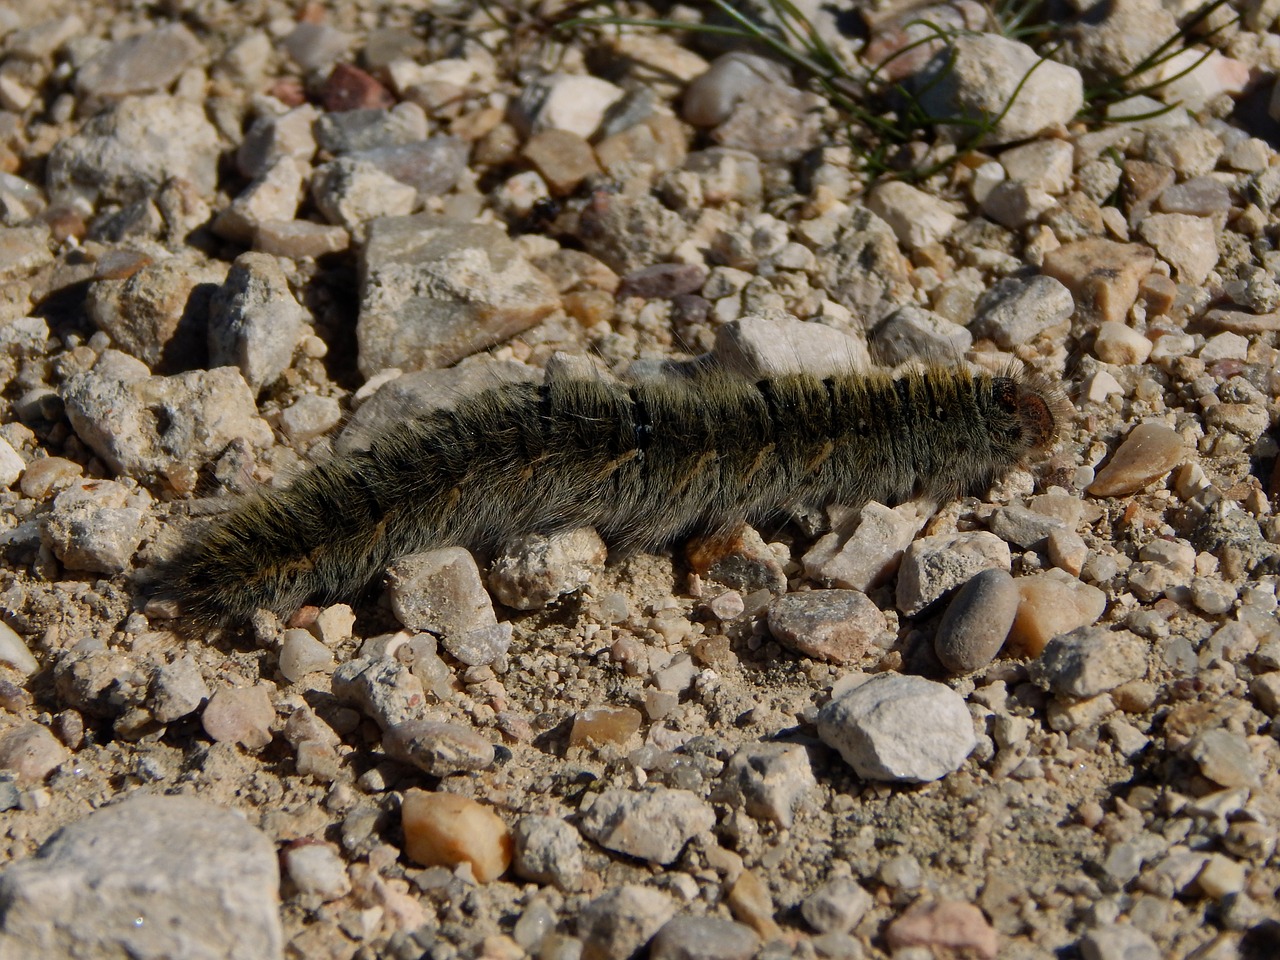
pixel 643 463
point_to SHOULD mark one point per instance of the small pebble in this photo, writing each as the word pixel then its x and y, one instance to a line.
pixel 768 780
pixel 838 626
pixel 240 715
pixel 446 830
pixel 1149 452
pixel 703 938
pixel 1090 661
pixel 1051 605
pixel 317 870
pixel 602 725
pixel 950 925
pixel 31 752
pixel 301 653
pixel 548 850
pixel 438 748
pixel 837 906
pixel 899 727
pixel 620 922
pixel 651 824
pixel 977 622
pixel 14 652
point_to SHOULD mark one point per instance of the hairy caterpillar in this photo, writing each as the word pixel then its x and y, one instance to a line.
pixel 643 463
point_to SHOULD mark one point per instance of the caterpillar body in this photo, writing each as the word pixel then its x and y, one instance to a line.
pixel 643 463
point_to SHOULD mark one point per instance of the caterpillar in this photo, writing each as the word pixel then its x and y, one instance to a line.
pixel 643 463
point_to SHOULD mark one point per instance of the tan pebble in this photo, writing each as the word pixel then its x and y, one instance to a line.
pixel 240 715
pixel 1149 452
pixel 750 902
pixel 47 474
pixel 1050 606
pixel 1120 344
pixel 1067 551
pixel 445 830
pixel 1221 877
pixel 604 725
pixel 951 925
pixel 31 752
pixel 333 624
pixel 1102 275
pixel 563 158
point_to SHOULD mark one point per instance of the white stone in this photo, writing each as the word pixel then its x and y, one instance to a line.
pixel 917 218
pixel 1120 344
pixel 899 727
pixel 14 652
pixel 11 464
pixel 576 103
pixel 1043 164
pixel 1188 243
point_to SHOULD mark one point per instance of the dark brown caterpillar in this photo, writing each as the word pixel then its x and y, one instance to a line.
pixel 642 463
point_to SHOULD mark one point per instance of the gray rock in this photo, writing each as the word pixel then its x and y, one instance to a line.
pixel 977 622
pixel 1225 758
pixel 317 871
pixel 703 938
pixel 1015 311
pixel 548 850
pixel 254 321
pixel 351 193
pixel 144 63
pixel 535 570
pixel 152 876
pixel 158 314
pixel 839 626
pixel 177 690
pixel 768 347
pixel 440 591
pixel 932 566
pixel 480 645
pixel 837 906
pixel 650 824
pixel 711 98
pixel 979 75
pixel 912 333
pixel 870 555
pixel 619 923
pixel 1118 942
pixel 299 239
pixel 272 137
pixel 1114 40
pixel 1022 526
pixel 1089 661
pixel 431 166
pixel 863 268
pixel 778 123
pixel 434 290
pixel 126 154
pixel 96 526
pixel 896 727
pixel 349 131
pixel 768 780
pixel 426 391
pixel 383 687
pixel 153 425
pixel 308 417
pixel 628 233
pixel 438 748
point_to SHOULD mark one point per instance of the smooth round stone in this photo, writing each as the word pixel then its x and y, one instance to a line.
pixel 977 622
pixel 301 653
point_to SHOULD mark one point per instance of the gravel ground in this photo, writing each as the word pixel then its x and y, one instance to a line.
pixel 241 237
